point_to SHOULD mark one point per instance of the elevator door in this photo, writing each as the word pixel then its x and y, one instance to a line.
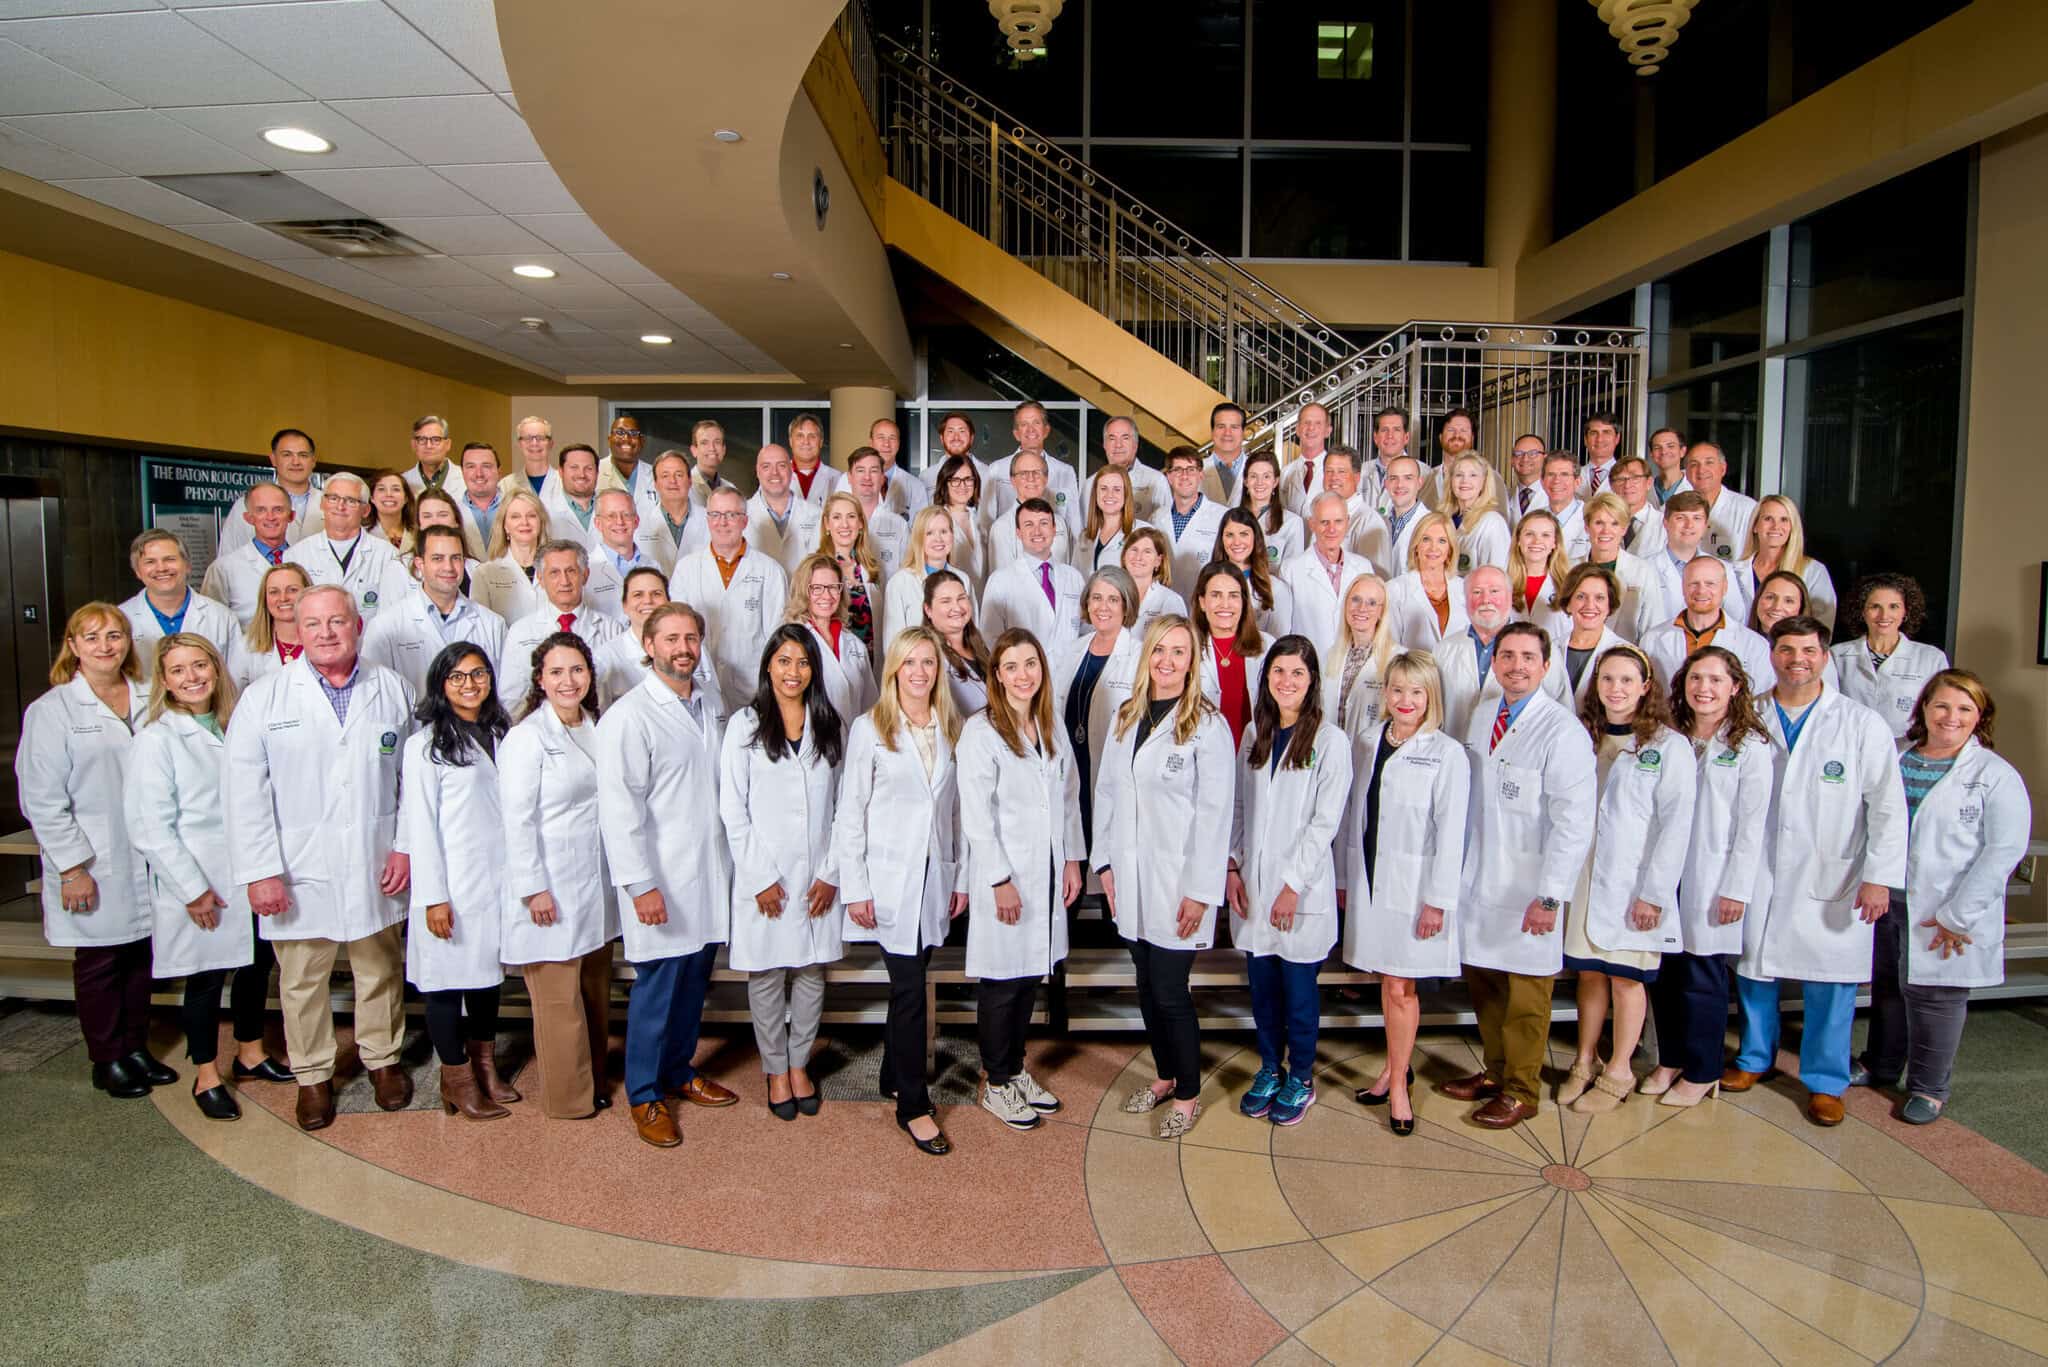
pixel 28 524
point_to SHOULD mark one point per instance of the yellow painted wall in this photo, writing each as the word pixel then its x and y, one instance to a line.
pixel 573 417
pixel 89 358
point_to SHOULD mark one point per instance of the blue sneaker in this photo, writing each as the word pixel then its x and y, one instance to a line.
pixel 1296 1096
pixel 1259 1099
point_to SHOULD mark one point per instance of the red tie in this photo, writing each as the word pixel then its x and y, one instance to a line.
pixel 274 554
pixel 1045 580
pixel 1500 726
pixel 1598 476
pixel 1308 476
pixel 567 622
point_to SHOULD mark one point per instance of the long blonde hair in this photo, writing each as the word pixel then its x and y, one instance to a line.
pixel 262 632
pixel 920 527
pixel 221 704
pixel 798 608
pixel 1442 522
pixel 1794 558
pixel 66 666
pixel 887 713
pixel 1554 570
pixel 1194 704
pixel 1092 529
pixel 501 545
pixel 1380 649
pixel 1489 500
pixel 863 544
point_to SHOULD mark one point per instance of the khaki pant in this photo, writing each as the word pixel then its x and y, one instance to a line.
pixel 571 1031
pixel 1514 1028
pixel 304 968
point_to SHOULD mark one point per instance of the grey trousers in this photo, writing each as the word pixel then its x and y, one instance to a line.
pixel 1914 1027
pixel 786 1003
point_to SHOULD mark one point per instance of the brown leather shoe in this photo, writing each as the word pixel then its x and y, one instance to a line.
pixel 1477 1087
pixel 1822 1109
pixel 461 1096
pixel 656 1125
pixel 1502 1113
pixel 702 1091
pixel 483 1061
pixel 1740 1080
pixel 316 1106
pixel 392 1086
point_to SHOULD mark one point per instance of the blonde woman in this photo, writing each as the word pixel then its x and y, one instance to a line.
pixel 1607 524
pixel 1359 657
pixel 1777 541
pixel 817 599
pixel 1474 506
pixel 929 550
pixel 504 582
pixel 1148 559
pixel 272 639
pixel 843 535
pixel 1537 566
pixel 1112 517
pixel 1427 603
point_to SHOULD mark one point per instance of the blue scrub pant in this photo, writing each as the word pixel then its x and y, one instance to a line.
pixel 1823 1038
pixel 663 1017
pixel 1286 1010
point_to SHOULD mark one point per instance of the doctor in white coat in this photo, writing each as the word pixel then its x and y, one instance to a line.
pixel 1036 590
pixel 817 602
pixel 741 608
pixel 1020 817
pixel 563 606
pixel 342 553
pixel 1531 824
pixel 1464 658
pixel 235 576
pixel 312 808
pixel 1705 621
pixel 291 463
pixel 166 605
pixel 1429 579
pixel 1293 776
pixel 410 632
pixel 1092 675
pixel 621 662
pixel 657 766
pixel 1189 521
pixel 1837 846
pixel 1886 669
pixel 1317 577
pixel 1969 817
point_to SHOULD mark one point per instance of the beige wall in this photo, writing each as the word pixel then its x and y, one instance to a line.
pixel 574 418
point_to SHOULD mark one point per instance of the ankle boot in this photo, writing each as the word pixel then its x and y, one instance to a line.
pixel 459 1095
pixel 483 1059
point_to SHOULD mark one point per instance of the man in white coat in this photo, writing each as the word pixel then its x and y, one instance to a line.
pixel 740 593
pixel 1465 658
pixel 409 633
pixel 902 490
pixel 674 525
pixel 311 787
pixel 1149 490
pixel 292 460
pixel 1034 590
pixel 1645 533
pixel 342 553
pixel 1189 519
pixel 1836 846
pixel 1704 622
pixel 563 570
pixel 571 497
pixel 1030 426
pixel 1317 576
pixel 618 551
pixel 1302 480
pixel 657 766
pixel 887 532
pixel 166 604
pixel 1027 483
pixel 1600 439
pixel 815 478
pixel 1683 521
pixel 1400 509
pixel 1534 791
pixel 780 525
pixel 1561 497
pixel 236 577
pixel 1728 513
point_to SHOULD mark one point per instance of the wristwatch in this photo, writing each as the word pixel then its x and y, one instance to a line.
pixel 1548 903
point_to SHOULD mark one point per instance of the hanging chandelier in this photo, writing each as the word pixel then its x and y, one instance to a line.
pixel 1646 29
pixel 1025 23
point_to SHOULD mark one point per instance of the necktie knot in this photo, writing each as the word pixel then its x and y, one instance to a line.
pixel 274 554
pixel 567 621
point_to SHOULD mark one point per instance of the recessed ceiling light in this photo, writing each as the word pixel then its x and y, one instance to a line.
pixel 297 140
pixel 726 134
pixel 655 339
pixel 534 272
pixel 778 275
pixel 846 346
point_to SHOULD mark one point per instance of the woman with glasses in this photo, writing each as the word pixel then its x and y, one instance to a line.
pixel 958 490
pixel 817 601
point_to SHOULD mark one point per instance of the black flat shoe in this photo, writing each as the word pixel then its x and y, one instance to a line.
pixel 1366 1097
pixel 808 1105
pixel 217 1103
pixel 783 1110
pixel 151 1069
pixel 270 1070
pixel 118 1081
pixel 937 1146
pixel 1403 1128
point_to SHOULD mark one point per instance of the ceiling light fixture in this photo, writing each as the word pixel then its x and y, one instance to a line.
pixel 1646 29
pixel 1025 24
pixel 846 346
pixel 297 140
pixel 778 275
pixel 726 134
pixel 534 272
pixel 655 339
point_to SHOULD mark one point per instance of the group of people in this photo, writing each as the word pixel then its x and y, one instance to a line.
pixel 1353 705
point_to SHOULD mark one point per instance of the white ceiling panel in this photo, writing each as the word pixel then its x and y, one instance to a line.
pixel 422 272
pixel 519 187
pixel 461 324
pixel 144 200
pixel 485 301
pixel 401 191
pixel 141 142
pixel 249 240
pixel 636 321
pixel 241 126
pixel 153 56
pixel 36 9
pixel 619 268
pixel 339 49
pixel 466 30
pixel 470 235
pixel 339 275
pixel 26 155
pixel 448 129
pixel 31 83
pixel 567 232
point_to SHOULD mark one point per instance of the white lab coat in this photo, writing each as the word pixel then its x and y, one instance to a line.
pixel 1821 600
pixel 174 818
pixel 515 658
pixel 455 834
pixel 1640 837
pixel 659 544
pixel 1530 825
pixel 1191 549
pixel 1560 629
pixel 902 605
pixel 1571 530
pixel 1642 598
pixel 1282 546
pixel 1282 827
pixel 502 586
pixel 621 666
pixel 1160 601
pixel 824 480
pixel 1413 620
pixel 1466 693
pixel 315 801
pixel 547 800
pixel 1669 574
pixel 203 617
pixel 1089 555
pixel 1020 819
pixel 1666 647
pixel 1162 828
pixel 1970 832
pixel 235 531
pixel 904 492
pixel 1016 598
pixel 1586 486
pixel 1647 523
pixel 1298 489
pixel 605 589
pixel 72 769
pixel 1892 689
pixel 406 637
pixel 1728 519
pixel 1112 687
pixel 896 839
pixel 1511 501
pixel 970 549
pixel 1278 619
pixel 1359 710
pixel 565 523
pixel 235 579
pixel 890 536
pixel 1149 491
pixel 374 574
pixel 1838 820
pixel 1212 684
pixel 1373 537
pixel 1318 609
pixel 1725 857
pixel 778 823
pixel 788 543
pixel 1484 543
pixel 1419 860
pixel 657 770
pixel 1003 548
pixel 738 618
pixel 848 679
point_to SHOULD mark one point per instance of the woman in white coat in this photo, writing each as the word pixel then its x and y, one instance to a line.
pixel 1020 816
pixel 1724 873
pixel 1242 545
pixel 1112 518
pixel 1282 531
pixel 504 582
pixel 949 612
pixel 1357 660
pixel 271 640
pixel 1148 559
pixel 777 777
pixel 1400 853
pixel 1607 521
pixel 72 769
pixel 1579 628
pixel 1784 594
pixel 896 843
pixel 817 602
pixel 1162 850
pixel 930 548
pixel 1968 815
pixel 1229 649
pixel 202 928
pixel 1092 676
pixel 1624 915
pixel 1777 541
pixel 560 912
pixel 454 830
pixel 1537 566
pixel 1474 508
pixel 1293 777
pixel 1887 669
pixel 1427 603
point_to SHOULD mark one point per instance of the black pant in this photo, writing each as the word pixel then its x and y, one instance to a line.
pixel 1169 1012
pixel 111 986
pixel 1690 1001
pixel 903 1036
pixel 447 1028
pixel 1002 1015
pixel 251 993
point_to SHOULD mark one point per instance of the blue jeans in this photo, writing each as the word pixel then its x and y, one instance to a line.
pixel 1286 1010
pixel 1823 1038
pixel 663 1016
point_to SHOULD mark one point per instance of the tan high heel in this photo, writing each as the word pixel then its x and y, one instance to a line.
pixel 1648 1087
pixel 1575 1084
pixel 1606 1094
pixel 1685 1102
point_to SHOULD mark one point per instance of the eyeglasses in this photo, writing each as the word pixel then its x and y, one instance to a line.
pixel 825 590
pixel 342 500
pixel 628 432
pixel 481 678
pixel 536 436
pixel 727 517
pixel 430 441
pixel 960 482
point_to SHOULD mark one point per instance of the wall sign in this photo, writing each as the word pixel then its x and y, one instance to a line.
pixel 190 498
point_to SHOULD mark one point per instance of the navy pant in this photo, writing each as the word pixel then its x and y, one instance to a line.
pixel 1286 1010
pixel 1690 999
pixel 663 1017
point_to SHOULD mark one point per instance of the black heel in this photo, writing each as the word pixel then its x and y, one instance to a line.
pixel 937 1146
pixel 1403 1128
pixel 1367 1097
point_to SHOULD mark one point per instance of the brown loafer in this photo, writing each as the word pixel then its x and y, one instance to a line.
pixel 1502 1113
pixel 316 1106
pixel 1741 1080
pixel 702 1091
pixel 392 1086
pixel 1825 1110
pixel 656 1125
pixel 1477 1087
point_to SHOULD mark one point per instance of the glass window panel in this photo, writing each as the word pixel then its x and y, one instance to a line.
pixel 1714 86
pixel 1710 311
pixel 1722 409
pixel 1166 71
pixel 1043 92
pixel 1451 48
pixel 1330 70
pixel 1894 247
pixel 1197 189
pixel 1326 203
pixel 668 428
pixel 964 365
pixel 1596 100
pixel 1446 206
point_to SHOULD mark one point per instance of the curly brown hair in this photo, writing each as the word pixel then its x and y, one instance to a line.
pixel 1905 585
pixel 1652 714
pixel 1742 720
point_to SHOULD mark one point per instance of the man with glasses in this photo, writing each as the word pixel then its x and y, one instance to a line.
pixel 814 479
pixel 291 458
pixel 1149 490
pixel 1525 493
pixel 1189 520
pixel 1031 426
pixel 1645 534
pixel 406 637
pixel 340 554
pixel 623 469
pixel 617 553
pixel 737 588
pixel 535 440
pixel 430 447
pixel 779 524
pixel 1028 481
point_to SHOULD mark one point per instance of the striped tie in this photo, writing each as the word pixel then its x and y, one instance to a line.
pixel 1500 726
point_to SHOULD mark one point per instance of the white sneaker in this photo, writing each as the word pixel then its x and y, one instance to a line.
pixel 1035 1096
pixel 1006 1103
